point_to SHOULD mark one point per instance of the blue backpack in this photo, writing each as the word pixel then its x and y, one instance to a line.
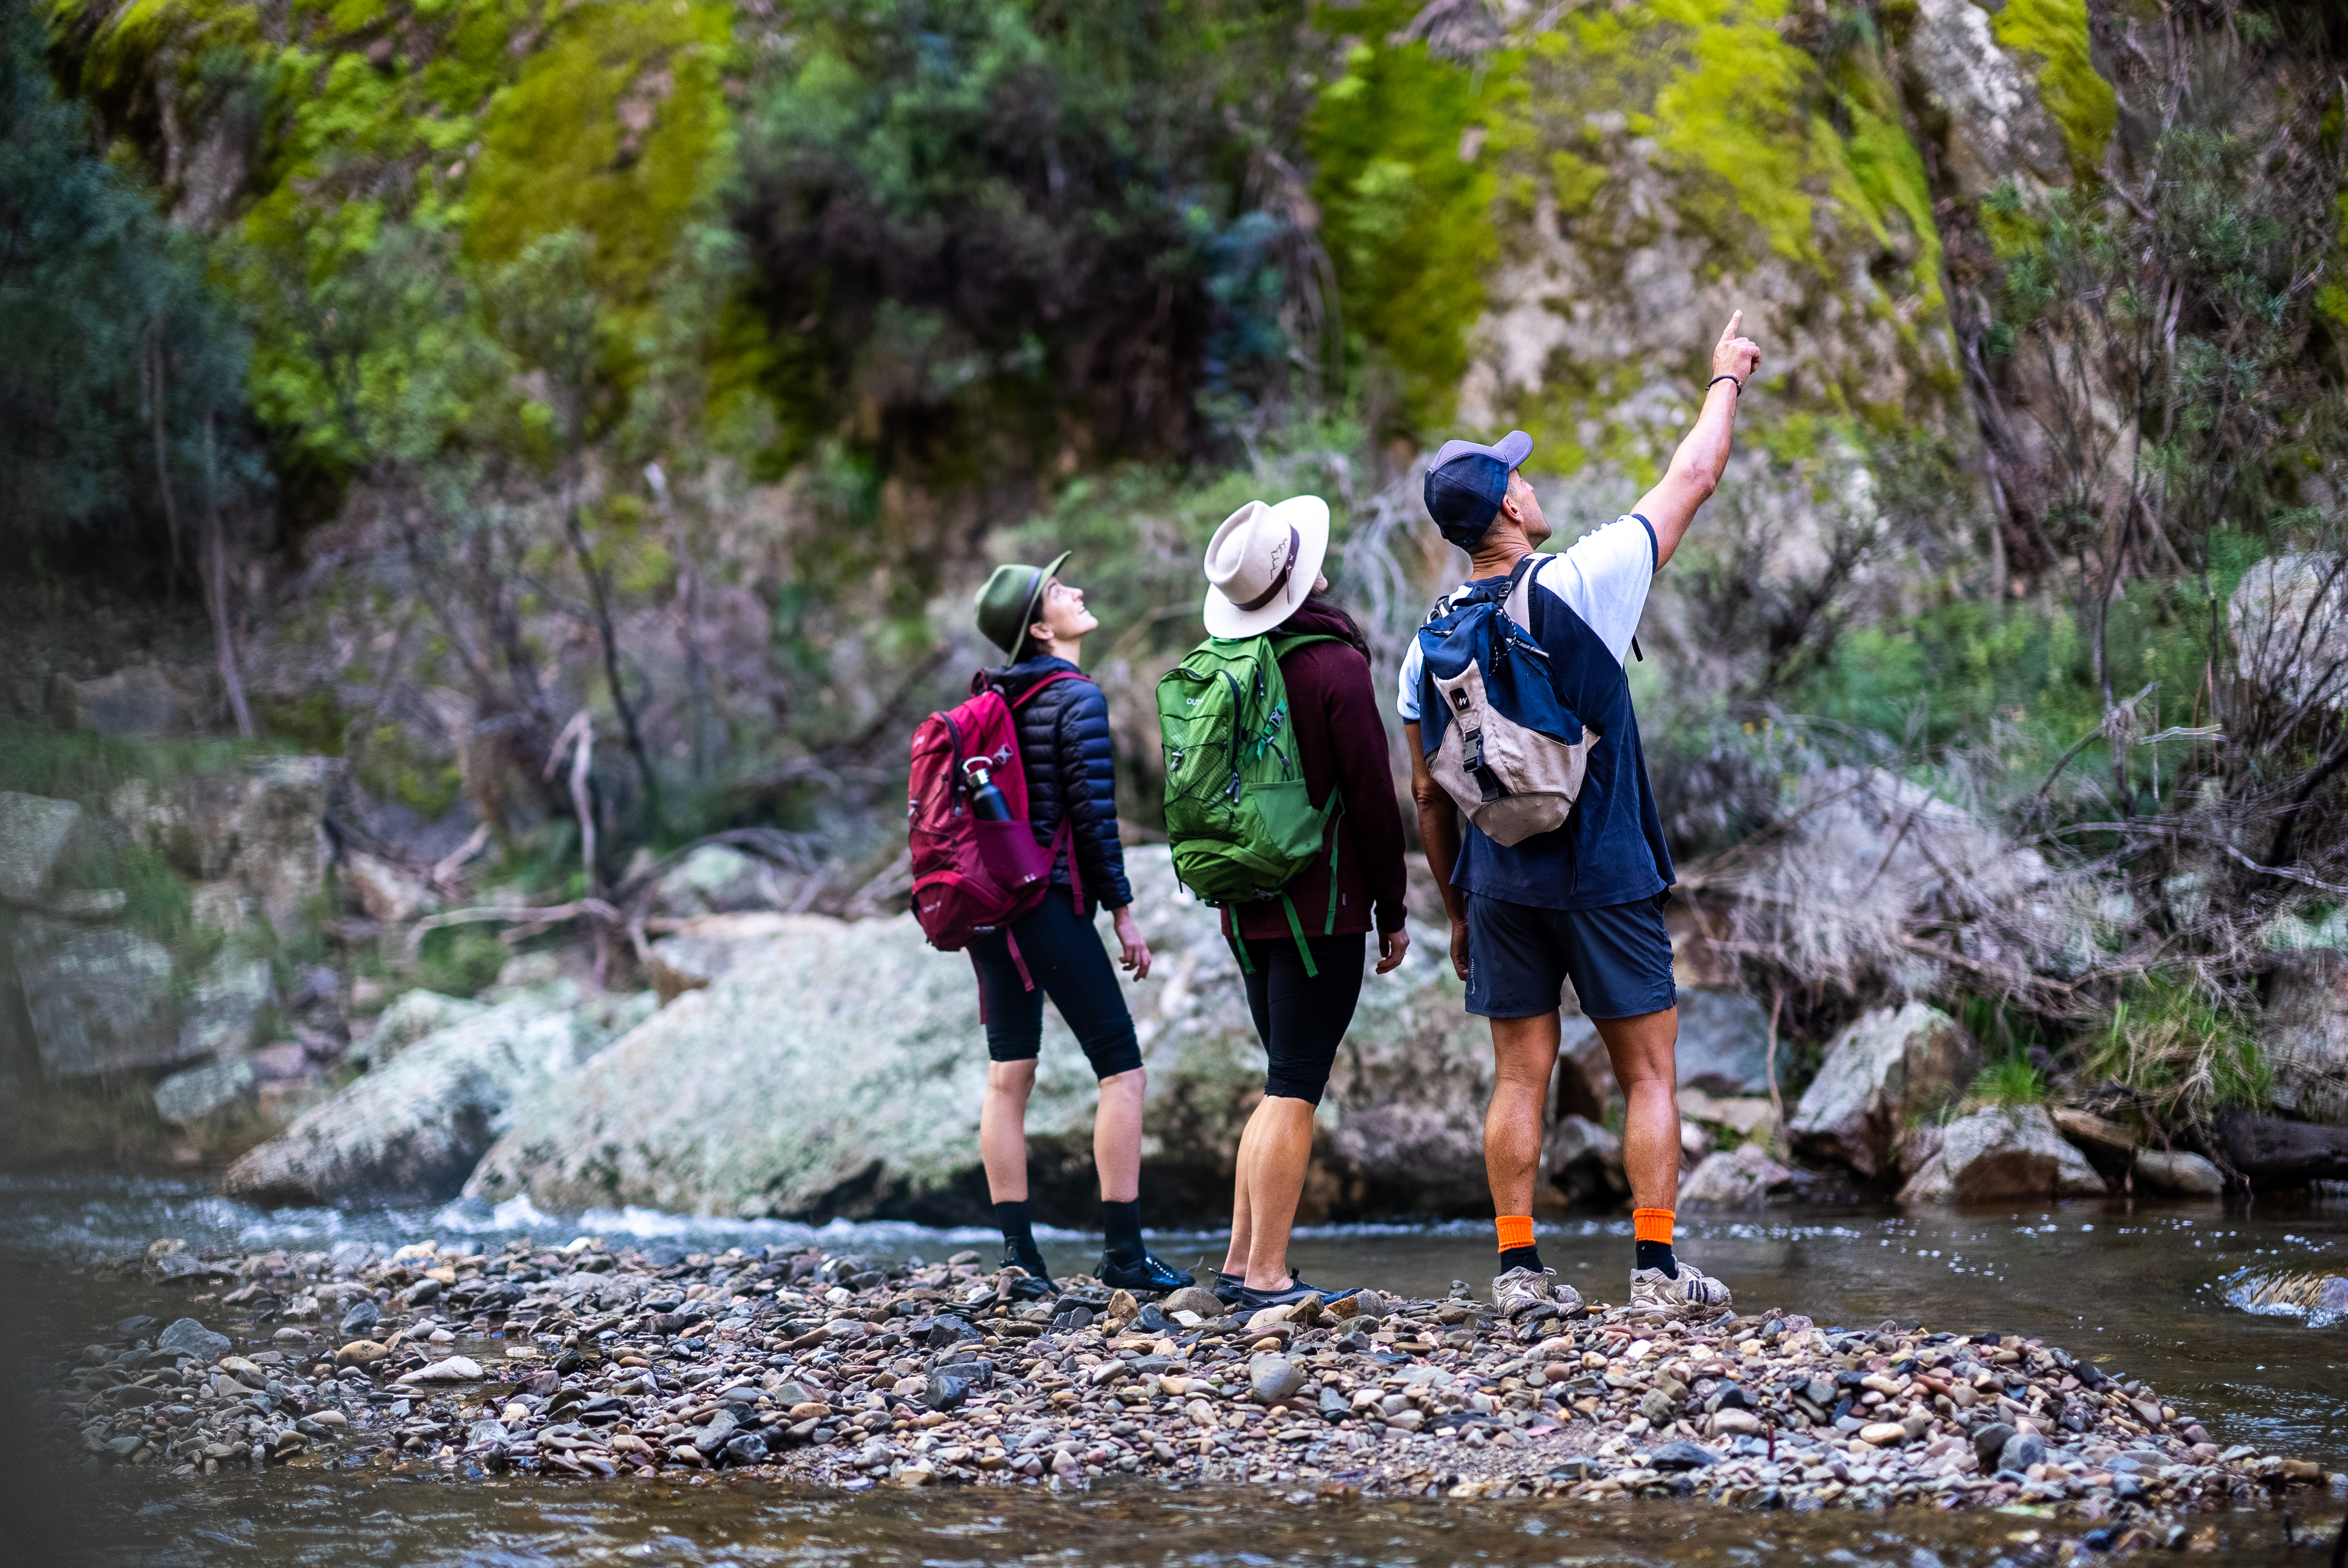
pixel 1497 736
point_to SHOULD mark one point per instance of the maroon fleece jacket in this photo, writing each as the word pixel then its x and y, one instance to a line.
pixel 1340 740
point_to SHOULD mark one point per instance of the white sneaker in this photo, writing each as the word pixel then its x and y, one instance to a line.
pixel 1522 1291
pixel 1694 1298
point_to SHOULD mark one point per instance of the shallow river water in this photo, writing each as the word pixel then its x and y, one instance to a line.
pixel 2141 1289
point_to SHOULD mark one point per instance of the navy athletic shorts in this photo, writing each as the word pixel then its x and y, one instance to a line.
pixel 1619 957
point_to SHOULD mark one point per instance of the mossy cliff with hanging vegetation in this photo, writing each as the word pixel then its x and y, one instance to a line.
pixel 587 421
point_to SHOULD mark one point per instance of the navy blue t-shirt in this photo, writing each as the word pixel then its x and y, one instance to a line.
pixel 1611 849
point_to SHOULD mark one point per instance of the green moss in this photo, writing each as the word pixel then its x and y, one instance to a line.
pixel 617 129
pixel 459 960
pixel 1408 221
pixel 1576 181
pixel 2083 104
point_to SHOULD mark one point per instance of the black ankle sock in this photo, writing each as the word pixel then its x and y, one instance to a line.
pixel 1521 1257
pixel 1019 1238
pixel 1121 1225
pixel 1658 1255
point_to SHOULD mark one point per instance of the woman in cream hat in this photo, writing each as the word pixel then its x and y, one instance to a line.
pixel 1263 571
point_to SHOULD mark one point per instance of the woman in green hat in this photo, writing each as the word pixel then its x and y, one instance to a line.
pixel 1041 621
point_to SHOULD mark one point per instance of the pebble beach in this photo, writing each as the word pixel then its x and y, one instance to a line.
pixel 843 1372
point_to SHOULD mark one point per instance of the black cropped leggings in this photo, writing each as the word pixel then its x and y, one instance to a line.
pixel 1065 961
pixel 1302 1018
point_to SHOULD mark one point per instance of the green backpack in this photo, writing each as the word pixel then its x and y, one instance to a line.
pixel 1240 817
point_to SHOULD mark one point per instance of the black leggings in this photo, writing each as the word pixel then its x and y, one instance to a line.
pixel 1066 961
pixel 1302 1018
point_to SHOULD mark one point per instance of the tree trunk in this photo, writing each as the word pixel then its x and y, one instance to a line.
pixel 216 591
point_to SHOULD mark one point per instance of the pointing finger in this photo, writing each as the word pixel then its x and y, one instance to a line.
pixel 1735 322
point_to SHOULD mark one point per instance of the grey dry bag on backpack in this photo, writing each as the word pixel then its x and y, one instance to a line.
pixel 1495 734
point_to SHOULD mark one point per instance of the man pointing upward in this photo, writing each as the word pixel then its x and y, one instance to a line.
pixel 1583 901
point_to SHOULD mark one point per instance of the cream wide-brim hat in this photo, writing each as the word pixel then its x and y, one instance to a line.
pixel 1263 563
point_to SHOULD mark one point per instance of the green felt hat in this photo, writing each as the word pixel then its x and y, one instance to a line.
pixel 1006 605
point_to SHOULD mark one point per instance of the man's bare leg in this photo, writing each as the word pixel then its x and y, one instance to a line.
pixel 1524 1056
pixel 1643 1050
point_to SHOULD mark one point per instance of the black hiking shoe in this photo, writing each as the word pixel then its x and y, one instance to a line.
pixel 1150 1273
pixel 1254 1301
pixel 1023 1280
pixel 1229 1287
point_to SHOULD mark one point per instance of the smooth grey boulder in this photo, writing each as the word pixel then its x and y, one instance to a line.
pixel 2177 1171
pixel 1886 1070
pixel 221 1009
pixel 137 699
pixel 718 879
pixel 199 1091
pixel 100 998
pixel 1740 1179
pixel 34 833
pixel 413 1129
pixel 416 1015
pixel 260 829
pixel 836 1068
pixel 2305 1037
pixel 2008 1151
pixel 703 949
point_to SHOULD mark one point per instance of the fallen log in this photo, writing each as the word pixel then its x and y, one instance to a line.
pixel 2273 1153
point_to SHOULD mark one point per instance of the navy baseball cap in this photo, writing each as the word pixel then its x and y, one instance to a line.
pixel 1466 483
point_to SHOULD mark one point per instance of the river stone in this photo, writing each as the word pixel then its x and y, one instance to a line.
pixel 2023 1449
pixel 198 1092
pixel 1194 1298
pixel 186 1336
pixel 1272 1377
pixel 361 1353
pixel 2007 1152
pixel 414 1129
pixel 2177 1171
pixel 1682 1455
pixel 716 1432
pixel 416 1015
pixel 34 833
pixel 454 1369
pixel 1888 1068
pixel 363 1316
pixel 1989 1441
pixel 738 1099
pixel 100 998
pixel 944 1391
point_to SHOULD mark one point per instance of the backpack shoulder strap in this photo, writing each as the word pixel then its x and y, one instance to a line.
pixel 1054 679
pixel 1519 603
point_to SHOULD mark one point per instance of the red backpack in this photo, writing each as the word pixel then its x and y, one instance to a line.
pixel 973 877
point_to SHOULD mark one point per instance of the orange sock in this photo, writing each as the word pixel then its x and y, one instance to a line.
pixel 1515 1231
pixel 1652 1224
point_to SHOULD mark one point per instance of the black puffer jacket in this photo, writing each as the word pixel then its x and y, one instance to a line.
pixel 1064 748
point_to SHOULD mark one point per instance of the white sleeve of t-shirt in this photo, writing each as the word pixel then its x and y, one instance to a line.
pixel 1604 576
pixel 1406 691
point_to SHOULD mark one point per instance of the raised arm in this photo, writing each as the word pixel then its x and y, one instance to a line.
pixel 1702 452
